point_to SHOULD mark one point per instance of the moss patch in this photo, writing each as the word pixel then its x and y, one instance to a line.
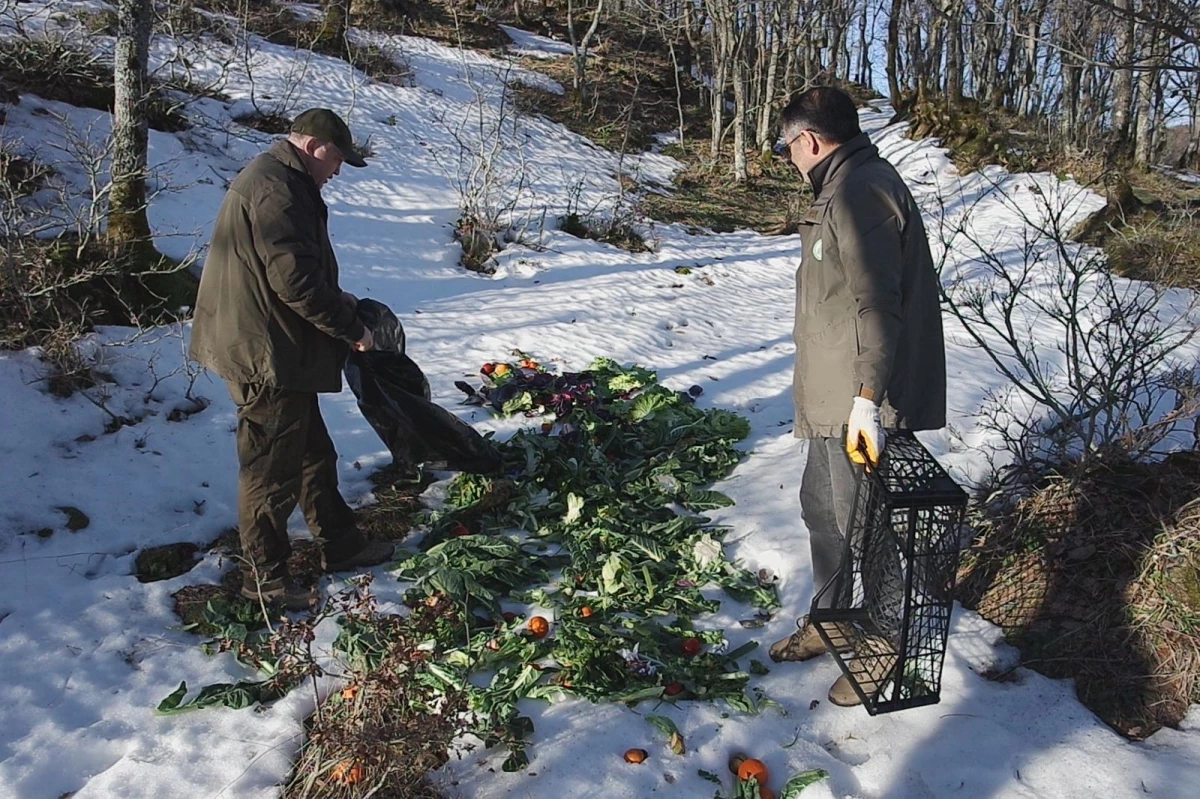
pixel 166 561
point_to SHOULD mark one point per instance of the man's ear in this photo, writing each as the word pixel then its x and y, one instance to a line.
pixel 310 145
pixel 818 145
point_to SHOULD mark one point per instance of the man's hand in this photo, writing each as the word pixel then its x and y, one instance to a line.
pixel 865 433
pixel 350 300
pixel 365 343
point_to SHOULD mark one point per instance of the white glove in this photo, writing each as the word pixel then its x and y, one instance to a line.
pixel 865 433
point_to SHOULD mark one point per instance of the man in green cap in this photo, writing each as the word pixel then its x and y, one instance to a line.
pixel 272 321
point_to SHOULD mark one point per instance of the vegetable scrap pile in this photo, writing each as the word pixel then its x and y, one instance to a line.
pixel 578 571
pixel 595 524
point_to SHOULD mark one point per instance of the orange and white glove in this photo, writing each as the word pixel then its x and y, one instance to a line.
pixel 865 433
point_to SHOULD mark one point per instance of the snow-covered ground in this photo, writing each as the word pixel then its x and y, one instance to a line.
pixel 87 652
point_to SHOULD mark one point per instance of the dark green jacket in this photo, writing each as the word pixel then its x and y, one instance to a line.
pixel 269 310
pixel 867 303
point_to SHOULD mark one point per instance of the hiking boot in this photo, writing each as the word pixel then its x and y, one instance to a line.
pixel 374 553
pixel 283 592
pixel 806 642
pixel 875 668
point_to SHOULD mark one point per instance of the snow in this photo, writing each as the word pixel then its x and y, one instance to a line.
pixel 87 651
pixel 531 44
pixel 1185 175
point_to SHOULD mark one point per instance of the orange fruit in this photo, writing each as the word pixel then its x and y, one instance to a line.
pixel 347 772
pixel 752 768
pixel 636 755
pixel 539 627
pixel 501 369
pixel 586 612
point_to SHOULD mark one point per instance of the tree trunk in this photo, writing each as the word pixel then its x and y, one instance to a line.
pixel 864 46
pixel 1190 159
pixel 721 48
pixel 127 221
pixel 987 69
pixel 579 48
pixel 1122 84
pixel 768 102
pixel 333 31
pixel 1147 84
pixel 955 66
pixel 791 77
pixel 740 174
pixel 893 53
pixel 915 60
pixel 837 35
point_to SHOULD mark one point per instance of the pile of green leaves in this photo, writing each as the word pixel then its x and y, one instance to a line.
pixel 236 625
pixel 596 521
pixel 600 529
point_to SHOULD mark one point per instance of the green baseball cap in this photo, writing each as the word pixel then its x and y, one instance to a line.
pixel 323 124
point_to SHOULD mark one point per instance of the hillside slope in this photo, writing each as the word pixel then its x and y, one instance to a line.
pixel 88 652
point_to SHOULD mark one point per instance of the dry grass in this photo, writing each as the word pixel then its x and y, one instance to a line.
pixel 58 71
pixel 1149 229
pixel 1097 580
pixel 51 286
pixel 165 562
pixel 630 97
pixel 397 502
pixel 448 22
pixel 979 136
pixel 1160 246
pixel 772 202
pixel 386 729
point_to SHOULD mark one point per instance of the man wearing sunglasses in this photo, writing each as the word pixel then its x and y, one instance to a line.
pixel 868 329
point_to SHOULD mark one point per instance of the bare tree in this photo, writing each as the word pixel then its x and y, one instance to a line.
pixel 579 46
pixel 127 221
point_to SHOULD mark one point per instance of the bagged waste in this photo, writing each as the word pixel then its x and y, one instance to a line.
pixel 393 395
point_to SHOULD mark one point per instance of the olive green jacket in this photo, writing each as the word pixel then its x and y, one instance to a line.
pixel 269 309
pixel 868 319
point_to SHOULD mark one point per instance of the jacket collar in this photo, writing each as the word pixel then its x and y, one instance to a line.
pixel 831 170
pixel 283 152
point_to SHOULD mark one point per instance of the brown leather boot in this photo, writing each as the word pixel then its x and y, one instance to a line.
pixel 806 642
pixel 374 553
pixel 286 592
pixel 871 675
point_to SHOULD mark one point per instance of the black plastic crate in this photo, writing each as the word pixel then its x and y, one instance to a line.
pixel 888 606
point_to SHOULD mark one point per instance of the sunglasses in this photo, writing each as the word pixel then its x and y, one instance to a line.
pixel 782 148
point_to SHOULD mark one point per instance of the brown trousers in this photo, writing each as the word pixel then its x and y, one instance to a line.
pixel 286 457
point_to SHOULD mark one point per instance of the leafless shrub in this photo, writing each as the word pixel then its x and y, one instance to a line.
pixel 1096 365
pixel 487 168
pixel 614 220
pixel 58 274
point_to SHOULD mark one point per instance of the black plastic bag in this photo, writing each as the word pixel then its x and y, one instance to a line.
pixel 393 395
